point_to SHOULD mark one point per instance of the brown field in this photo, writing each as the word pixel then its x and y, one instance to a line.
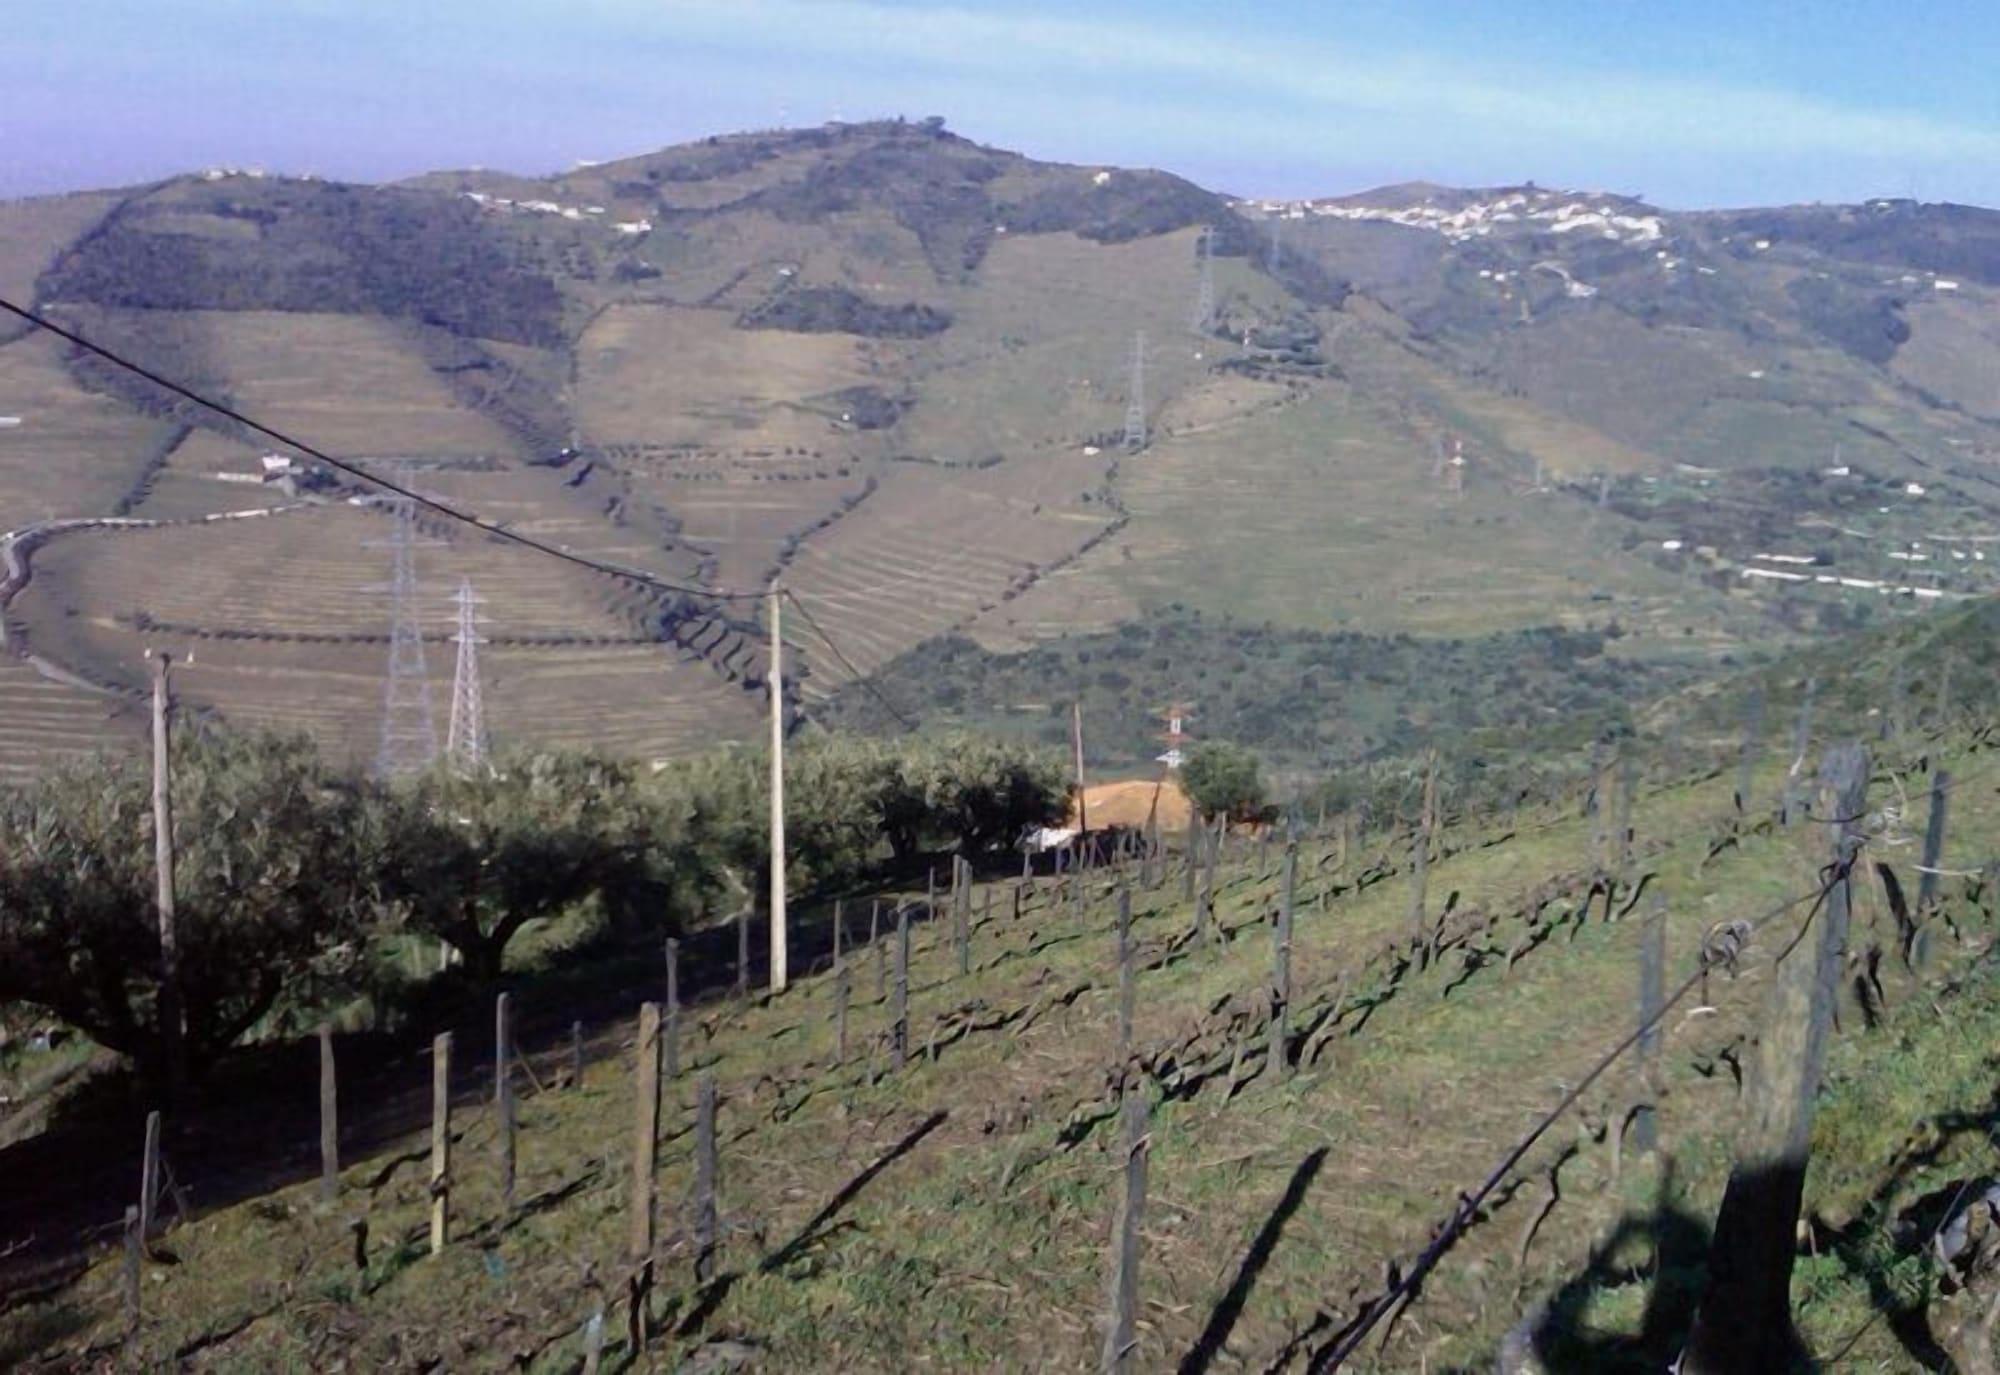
pixel 74 453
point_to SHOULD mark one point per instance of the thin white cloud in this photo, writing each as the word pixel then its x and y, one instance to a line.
pixel 1591 110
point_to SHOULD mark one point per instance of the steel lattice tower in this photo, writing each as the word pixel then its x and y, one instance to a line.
pixel 1204 290
pixel 1135 409
pixel 409 732
pixel 465 739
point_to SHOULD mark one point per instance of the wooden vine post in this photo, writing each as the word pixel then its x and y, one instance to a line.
pixel 1420 858
pixel 1927 877
pixel 1126 976
pixel 440 1141
pixel 1281 962
pixel 1743 1325
pixel 149 1178
pixel 1746 762
pixel 1652 997
pixel 1121 1329
pixel 503 1098
pixel 645 1142
pixel 899 1029
pixel 670 1029
pixel 329 1118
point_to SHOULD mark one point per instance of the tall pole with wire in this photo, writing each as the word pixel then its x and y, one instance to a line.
pixel 171 1037
pixel 777 796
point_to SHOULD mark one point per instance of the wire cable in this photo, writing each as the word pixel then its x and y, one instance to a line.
pixel 446 509
pixel 442 508
pixel 1738 933
pixel 865 680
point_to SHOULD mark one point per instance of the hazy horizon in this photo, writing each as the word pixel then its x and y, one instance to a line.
pixel 1710 105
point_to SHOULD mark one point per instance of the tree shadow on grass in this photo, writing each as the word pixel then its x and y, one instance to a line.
pixel 1674 1241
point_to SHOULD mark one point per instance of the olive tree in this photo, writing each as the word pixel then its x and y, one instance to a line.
pixel 473 858
pixel 1223 779
pixel 272 883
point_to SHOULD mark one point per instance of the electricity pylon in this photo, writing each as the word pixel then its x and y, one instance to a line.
pixel 1135 408
pixel 465 739
pixel 1204 288
pixel 409 732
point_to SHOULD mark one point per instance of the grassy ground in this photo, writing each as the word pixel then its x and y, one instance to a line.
pixel 955 1214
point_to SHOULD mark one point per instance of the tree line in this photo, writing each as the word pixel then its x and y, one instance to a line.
pixel 295 880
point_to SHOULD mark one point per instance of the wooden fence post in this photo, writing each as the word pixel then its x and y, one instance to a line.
pixel 440 1141
pixel 645 1137
pixel 1208 880
pixel 1420 874
pixel 899 1031
pixel 576 1054
pixel 503 1097
pixel 1196 834
pixel 1746 761
pixel 1126 975
pixel 705 1182
pixel 840 994
pixel 135 1247
pixel 1652 996
pixel 743 955
pixel 1795 776
pixel 1628 789
pixel 1899 696
pixel 1120 1336
pixel 1281 962
pixel 1944 691
pixel 149 1178
pixel 329 1118
pixel 1077 894
pixel 881 952
pixel 1743 1324
pixel 962 913
pixel 671 1028
pixel 645 1145
pixel 1927 876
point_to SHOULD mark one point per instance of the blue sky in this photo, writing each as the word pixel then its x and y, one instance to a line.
pixel 1689 102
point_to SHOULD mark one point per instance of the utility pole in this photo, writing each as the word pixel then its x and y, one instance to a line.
pixel 777 797
pixel 163 866
pixel 1076 734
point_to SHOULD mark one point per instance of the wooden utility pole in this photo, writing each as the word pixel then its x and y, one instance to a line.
pixel 1076 735
pixel 171 1035
pixel 1743 1325
pixel 777 797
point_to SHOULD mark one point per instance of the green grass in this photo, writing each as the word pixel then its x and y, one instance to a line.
pixel 980 1244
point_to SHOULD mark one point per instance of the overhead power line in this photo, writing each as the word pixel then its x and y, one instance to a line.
pixel 444 508
pixel 1720 948
pixel 430 503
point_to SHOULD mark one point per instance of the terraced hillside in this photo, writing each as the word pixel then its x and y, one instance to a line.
pixel 895 366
